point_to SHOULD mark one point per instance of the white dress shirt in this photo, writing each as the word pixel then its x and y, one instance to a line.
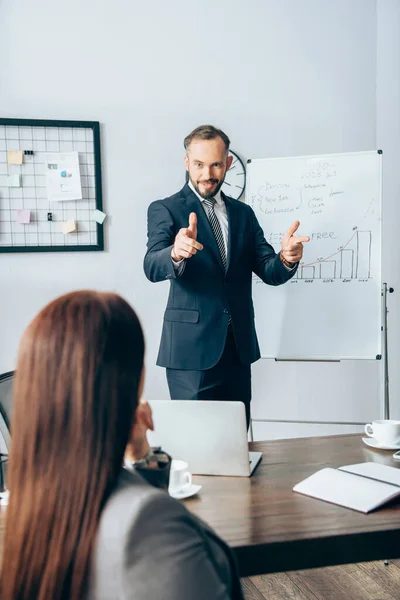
pixel 220 213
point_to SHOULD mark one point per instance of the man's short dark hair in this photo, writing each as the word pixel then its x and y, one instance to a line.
pixel 206 132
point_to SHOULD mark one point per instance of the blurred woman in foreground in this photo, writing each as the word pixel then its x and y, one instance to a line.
pixel 78 524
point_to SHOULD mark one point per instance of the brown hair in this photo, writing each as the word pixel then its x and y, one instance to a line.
pixel 206 132
pixel 76 392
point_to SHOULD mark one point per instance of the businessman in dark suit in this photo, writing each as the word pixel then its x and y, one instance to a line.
pixel 208 246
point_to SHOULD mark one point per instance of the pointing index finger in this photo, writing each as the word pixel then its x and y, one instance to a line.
pixel 300 238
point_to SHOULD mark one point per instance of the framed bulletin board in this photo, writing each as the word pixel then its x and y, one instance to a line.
pixel 50 186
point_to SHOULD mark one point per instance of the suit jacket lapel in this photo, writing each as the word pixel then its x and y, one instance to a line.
pixel 205 234
pixel 232 227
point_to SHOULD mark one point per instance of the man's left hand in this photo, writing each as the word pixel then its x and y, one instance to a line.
pixel 292 245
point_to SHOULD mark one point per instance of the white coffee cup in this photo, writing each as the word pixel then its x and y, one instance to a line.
pixel 386 431
pixel 180 478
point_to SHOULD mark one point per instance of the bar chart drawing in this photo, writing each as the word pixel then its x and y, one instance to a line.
pixel 351 261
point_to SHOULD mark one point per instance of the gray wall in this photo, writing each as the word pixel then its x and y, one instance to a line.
pixel 282 77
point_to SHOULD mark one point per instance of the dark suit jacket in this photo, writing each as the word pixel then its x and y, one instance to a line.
pixel 203 296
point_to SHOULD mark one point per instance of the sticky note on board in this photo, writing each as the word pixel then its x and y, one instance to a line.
pixel 23 216
pixel 99 216
pixel 14 180
pixel 15 157
pixel 68 226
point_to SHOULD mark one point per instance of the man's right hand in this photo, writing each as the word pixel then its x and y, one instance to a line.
pixel 186 243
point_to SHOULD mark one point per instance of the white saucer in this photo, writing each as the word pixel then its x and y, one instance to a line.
pixel 190 491
pixel 374 444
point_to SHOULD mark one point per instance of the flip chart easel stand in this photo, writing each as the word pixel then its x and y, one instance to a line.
pixel 385 361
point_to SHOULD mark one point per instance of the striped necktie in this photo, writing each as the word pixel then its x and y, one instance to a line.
pixel 216 227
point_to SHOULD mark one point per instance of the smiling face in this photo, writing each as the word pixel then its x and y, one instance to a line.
pixel 207 162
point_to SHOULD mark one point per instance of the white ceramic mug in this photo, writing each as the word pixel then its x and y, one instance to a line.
pixel 180 478
pixel 386 431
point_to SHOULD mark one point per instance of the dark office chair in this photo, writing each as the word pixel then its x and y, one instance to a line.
pixel 6 380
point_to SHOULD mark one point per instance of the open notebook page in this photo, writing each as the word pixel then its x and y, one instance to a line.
pixel 375 471
pixel 346 489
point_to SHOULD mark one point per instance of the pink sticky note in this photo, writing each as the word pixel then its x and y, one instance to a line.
pixel 23 216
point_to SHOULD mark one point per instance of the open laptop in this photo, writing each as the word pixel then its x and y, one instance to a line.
pixel 211 436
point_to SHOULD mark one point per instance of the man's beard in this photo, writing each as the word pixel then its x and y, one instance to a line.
pixel 207 195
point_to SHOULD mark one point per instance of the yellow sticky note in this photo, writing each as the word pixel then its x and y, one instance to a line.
pixel 68 226
pixel 15 157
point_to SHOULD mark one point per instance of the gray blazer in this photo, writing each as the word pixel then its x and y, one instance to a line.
pixel 149 547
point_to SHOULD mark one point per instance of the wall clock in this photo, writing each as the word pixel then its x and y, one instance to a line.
pixel 235 178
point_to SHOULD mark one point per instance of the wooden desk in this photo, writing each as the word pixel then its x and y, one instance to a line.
pixel 272 529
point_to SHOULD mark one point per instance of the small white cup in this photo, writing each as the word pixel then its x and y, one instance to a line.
pixel 386 431
pixel 180 478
